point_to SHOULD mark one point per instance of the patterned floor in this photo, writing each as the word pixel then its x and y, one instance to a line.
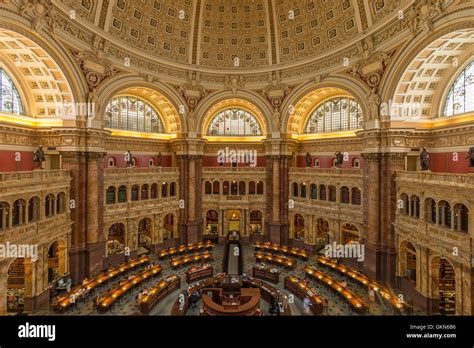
pixel 336 306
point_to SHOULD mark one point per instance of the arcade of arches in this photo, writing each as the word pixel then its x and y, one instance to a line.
pixel 152 136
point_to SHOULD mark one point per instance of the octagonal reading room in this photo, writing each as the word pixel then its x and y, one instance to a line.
pixel 237 157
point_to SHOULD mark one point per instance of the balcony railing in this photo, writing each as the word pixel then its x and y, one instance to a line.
pixel 233 169
pixel 327 171
pixel 140 170
pixel 39 175
pixel 437 178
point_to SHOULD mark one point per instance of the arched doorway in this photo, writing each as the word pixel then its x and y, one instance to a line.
pixel 53 262
pixel 144 235
pixel 16 286
pixel 322 233
pixel 212 219
pixel 169 226
pixel 298 227
pixel 116 239
pixel 444 285
pixel 408 261
pixel 349 234
pixel 256 222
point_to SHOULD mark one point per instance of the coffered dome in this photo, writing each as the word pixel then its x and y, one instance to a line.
pixel 231 34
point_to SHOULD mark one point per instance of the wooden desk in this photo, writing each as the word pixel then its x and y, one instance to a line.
pixel 269 294
pixel 64 302
pixel 250 306
pixel 301 253
pixel 115 294
pixel 185 249
pixel 184 260
pixel 362 279
pixel 266 273
pixel 159 292
pixel 279 260
pixel 197 273
pixel 302 290
pixel 357 303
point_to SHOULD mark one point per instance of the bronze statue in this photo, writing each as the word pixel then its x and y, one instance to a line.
pixel 308 159
pixel 470 156
pixel 159 159
pixel 38 155
pixel 425 159
pixel 339 159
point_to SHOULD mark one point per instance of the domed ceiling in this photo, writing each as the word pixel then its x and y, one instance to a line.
pixel 234 34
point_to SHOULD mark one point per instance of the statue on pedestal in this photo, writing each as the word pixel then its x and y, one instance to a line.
pixel 129 159
pixel 38 156
pixel 424 159
pixel 308 159
pixel 470 156
pixel 339 159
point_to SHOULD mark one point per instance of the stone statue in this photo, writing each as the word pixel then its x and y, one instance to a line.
pixel 308 159
pixel 38 155
pixel 424 159
pixel 339 159
pixel 129 159
pixel 470 156
pixel 159 159
pixel 374 102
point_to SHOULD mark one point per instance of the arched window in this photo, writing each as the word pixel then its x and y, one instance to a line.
pixel 430 210
pixel 252 188
pixel 322 192
pixel 207 188
pixel 461 218
pixel 259 187
pixel 134 114
pixel 60 203
pixel 414 206
pixel 335 114
pixel 314 191
pixel 356 196
pixel 226 188
pixel 134 194
pixel 151 162
pixel 403 204
pixel 295 189
pixel 460 97
pixel 122 194
pixel 234 122
pixel 33 209
pixel 444 214
pixel 164 189
pixel 242 188
pixel 154 191
pixel 215 187
pixel 10 100
pixel 233 188
pixel 356 163
pixel 4 215
pixel 19 212
pixel 111 162
pixel 303 190
pixel 144 192
pixel 316 162
pixel 110 195
pixel 172 189
pixel 49 205
pixel 344 194
pixel 332 193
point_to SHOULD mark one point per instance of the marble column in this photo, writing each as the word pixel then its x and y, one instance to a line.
pixel 87 190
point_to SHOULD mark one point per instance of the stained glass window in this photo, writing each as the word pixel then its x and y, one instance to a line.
pixel 234 122
pixel 132 114
pixel 336 114
pixel 10 100
pixel 460 98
